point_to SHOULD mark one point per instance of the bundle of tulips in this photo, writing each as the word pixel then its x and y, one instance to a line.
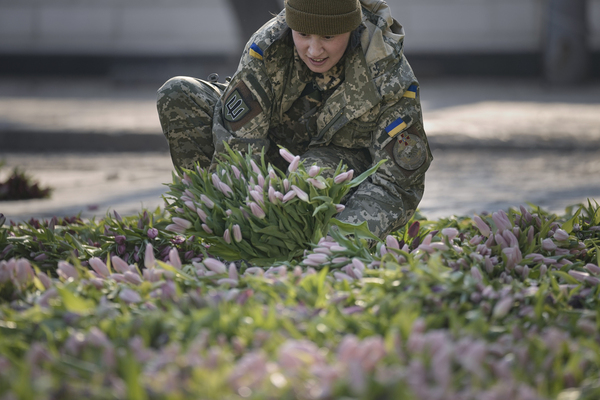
pixel 253 211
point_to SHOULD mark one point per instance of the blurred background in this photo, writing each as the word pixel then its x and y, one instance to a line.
pixel 510 92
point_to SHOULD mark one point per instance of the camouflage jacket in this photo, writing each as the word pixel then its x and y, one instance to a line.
pixel 376 107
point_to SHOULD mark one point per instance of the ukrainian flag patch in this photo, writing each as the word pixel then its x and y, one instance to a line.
pixel 411 92
pixel 395 127
pixel 256 51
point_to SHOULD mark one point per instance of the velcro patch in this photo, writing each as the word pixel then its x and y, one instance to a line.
pixel 240 106
pixel 393 129
pixel 411 92
pixel 256 51
pixel 410 151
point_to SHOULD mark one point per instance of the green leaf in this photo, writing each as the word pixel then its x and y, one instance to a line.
pixel 359 179
pixel 74 303
pixel 568 226
pixel 359 230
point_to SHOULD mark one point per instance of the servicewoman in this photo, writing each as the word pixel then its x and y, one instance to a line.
pixel 327 80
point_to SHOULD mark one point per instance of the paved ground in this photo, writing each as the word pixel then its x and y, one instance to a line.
pixel 496 144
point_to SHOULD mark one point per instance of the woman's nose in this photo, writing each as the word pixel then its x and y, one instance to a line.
pixel 315 48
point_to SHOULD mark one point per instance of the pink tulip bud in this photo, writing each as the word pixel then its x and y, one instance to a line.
pixel 288 196
pixel 174 259
pixel 450 233
pixel 227 236
pixel 215 265
pixel 302 195
pixel 510 238
pixel 66 270
pixel 286 184
pixel 215 180
pixel 261 181
pixel 317 183
pixel 236 172
pixel 189 204
pixel 503 307
pixel 233 273
pixel 237 233
pixel 314 171
pixel 501 241
pixel 501 220
pixel 201 214
pixel 272 196
pixel 133 278
pixel 593 268
pixel 391 242
pixel 99 266
pixel 258 197
pixel 255 168
pixel 580 276
pixel 318 258
pixel 342 177
pixel 338 249
pixel 339 208
pixel 340 276
pixel 482 226
pixel 175 228
pixel 207 229
pixel 561 235
pixel 23 271
pixel 225 189
pixel 208 202
pixel 287 156
pixel 184 223
pixel 149 260
pixel 548 245
pixel 357 264
pixel 272 174
pixel 130 296
pixel 476 274
pixel 256 210
pixel 119 264
pixel 294 164
pixel 46 281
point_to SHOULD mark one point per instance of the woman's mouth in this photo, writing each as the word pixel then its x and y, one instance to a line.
pixel 318 61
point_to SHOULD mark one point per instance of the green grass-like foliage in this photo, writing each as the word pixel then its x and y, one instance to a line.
pixel 242 212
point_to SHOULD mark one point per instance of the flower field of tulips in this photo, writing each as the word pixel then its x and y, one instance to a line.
pixel 502 305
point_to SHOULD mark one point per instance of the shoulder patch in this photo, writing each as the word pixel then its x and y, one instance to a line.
pixel 410 151
pixel 255 51
pixel 393 129
pixel 411 92
pixel 240 106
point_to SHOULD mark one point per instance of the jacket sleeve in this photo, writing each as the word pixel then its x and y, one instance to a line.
pixel 242 115
pixel 389 198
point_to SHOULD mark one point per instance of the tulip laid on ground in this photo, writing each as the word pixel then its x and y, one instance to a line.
pixel 252 211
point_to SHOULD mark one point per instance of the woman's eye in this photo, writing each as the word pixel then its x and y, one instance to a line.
pixel 328 37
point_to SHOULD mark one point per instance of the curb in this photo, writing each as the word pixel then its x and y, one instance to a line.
pixel 57 142
pixel 115 142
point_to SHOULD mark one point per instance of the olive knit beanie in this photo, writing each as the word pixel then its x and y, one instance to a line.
pixel 323 17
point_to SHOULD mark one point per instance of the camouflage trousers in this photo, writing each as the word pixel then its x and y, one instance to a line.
pixel 185 109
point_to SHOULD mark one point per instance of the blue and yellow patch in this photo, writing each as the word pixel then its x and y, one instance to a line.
pixel 395 127
pixel 256 51
pixel 411 92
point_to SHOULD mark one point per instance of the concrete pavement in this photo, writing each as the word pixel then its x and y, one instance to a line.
pixel 496 143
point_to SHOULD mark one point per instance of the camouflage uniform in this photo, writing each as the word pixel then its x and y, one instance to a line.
pixel 364 110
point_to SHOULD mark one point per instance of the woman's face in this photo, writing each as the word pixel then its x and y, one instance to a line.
pixel 320 53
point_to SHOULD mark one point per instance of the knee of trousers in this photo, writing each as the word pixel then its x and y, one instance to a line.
pixel 183 92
